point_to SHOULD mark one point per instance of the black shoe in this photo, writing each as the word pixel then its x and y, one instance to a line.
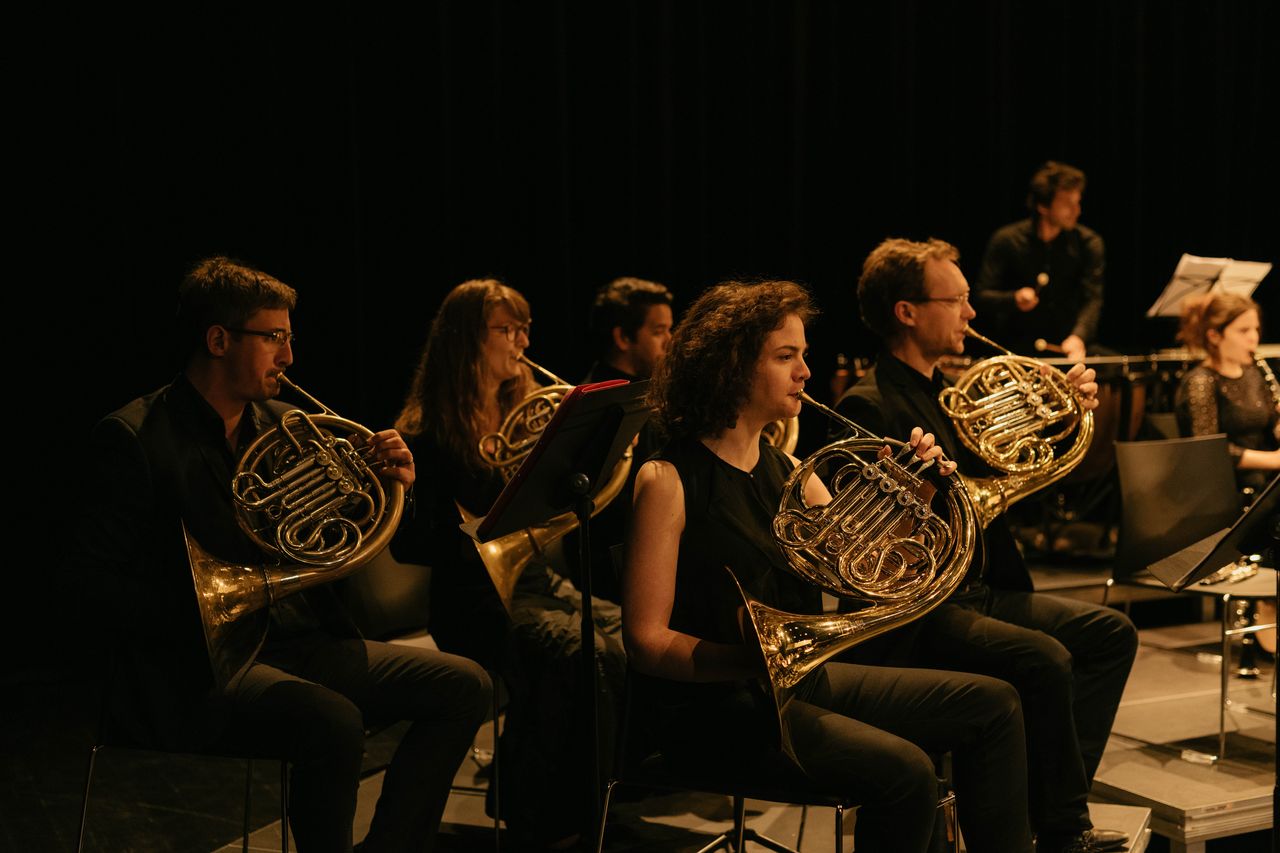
pixel 1108 839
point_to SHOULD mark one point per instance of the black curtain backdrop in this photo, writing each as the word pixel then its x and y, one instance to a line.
pixel 375 159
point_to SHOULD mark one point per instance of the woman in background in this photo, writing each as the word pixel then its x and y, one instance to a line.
pixel 469 377
pixel 1227 393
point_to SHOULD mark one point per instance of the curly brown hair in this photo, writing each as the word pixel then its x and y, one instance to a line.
pixel 892 273
pixel 443 400
pixel 1211 311
pixel 705 379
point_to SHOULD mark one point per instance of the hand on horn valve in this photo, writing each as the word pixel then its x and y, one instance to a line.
pixel 391 456
pixel 923 444
pixel 1085 381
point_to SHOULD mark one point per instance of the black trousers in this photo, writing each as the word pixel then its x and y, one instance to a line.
pixel 309 699
pixel 1069 661
pixel 866 732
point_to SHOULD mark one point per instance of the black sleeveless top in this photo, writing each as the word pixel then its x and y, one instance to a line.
pixel 728 523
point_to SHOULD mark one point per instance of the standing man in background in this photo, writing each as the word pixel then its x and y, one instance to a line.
pixel 1042 278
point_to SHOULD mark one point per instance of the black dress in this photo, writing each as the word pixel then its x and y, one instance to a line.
pixel 1208 402
pixel 859 731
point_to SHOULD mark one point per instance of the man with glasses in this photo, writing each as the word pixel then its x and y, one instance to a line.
pixel 1068 659
pixel 166 461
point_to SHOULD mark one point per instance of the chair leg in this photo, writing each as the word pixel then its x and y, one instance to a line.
pixel 839 829
pixel 604 813
pixel 248 790
pixel 804 814
pixel 84 805
pixel 284 806
pixel 494 779
pixel 739 823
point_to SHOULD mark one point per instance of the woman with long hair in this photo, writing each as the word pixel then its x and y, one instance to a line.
pixel 707 501
pixel 469 377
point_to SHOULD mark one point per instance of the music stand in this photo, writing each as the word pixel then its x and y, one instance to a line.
pixel 1195 275
pixel 593 426
pixel 1249 534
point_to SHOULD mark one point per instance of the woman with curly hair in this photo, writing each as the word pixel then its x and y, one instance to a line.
pixel 707 501
pixel 470 376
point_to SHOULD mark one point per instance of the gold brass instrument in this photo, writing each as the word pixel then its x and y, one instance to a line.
pixel 878 541
pixel 506 557
pixel 1012 414
pixel 307 495
pixel 783 434
pixel 520 430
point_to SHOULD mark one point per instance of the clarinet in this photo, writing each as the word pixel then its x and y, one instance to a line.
pixel 1270 377
pixel 1273 386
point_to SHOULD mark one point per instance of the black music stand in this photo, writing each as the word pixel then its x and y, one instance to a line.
pixel 1252 532
pixel 586 438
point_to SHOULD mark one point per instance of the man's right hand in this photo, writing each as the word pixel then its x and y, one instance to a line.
pixel 1026 298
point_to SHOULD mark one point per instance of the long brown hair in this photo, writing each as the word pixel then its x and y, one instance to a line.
pixel 444 399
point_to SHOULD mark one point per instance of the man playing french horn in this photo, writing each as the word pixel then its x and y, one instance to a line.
pixel 165 464
pixel 1068 659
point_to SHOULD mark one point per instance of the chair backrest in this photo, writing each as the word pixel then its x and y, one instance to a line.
pixel 1173 493
pixel 1163 424
pixel 387 598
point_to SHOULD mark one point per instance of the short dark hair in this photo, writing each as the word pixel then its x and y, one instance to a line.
pixel 624 303
pixel 894 271
pixel 1050 178
pixel 220 291
pixel 705 379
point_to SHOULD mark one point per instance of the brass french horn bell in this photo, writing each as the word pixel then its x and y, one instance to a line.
pixel 306 494
pixel 506 557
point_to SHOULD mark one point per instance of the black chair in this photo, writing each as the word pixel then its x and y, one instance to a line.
pixel 655 772
pixel 1174 493
pixel 390 600
pixel 101 742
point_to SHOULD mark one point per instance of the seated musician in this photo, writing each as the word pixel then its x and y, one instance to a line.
pixel 630 329
pixel 1068 659
pixel 707 501
pixel 470 376
pixel 167 460
pixel 1227 393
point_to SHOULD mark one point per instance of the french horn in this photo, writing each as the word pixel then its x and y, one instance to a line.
pixel 506 557
pixel 306 493
pixel 1014 415
pixel 878 541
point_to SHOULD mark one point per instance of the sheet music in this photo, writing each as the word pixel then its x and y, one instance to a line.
pixel 1195 275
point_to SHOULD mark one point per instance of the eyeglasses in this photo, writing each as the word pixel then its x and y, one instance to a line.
pixel 511 332
pixel 278 337
pixel 957 301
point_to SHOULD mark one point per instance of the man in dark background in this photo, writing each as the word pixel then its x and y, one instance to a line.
pixel 1042 278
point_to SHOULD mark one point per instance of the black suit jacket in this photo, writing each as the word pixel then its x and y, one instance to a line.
pixel 159 462
pixel 892 399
